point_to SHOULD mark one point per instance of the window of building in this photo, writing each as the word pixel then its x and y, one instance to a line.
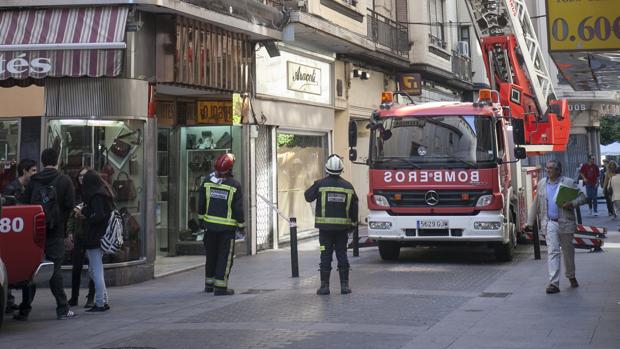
pixel 9 141
pixel 436 19
pixel 464 38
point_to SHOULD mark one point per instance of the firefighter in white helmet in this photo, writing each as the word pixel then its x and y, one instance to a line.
pixel 336 214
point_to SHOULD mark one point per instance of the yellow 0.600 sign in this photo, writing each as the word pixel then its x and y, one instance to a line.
pixel 583 25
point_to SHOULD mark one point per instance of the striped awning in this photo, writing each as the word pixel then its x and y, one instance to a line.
pixel 57 42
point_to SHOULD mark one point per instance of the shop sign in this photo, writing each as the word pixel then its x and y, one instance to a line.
pixel 411 84
pixel 304 78
pixel 579 25
pixel 214 112
pixel 19 65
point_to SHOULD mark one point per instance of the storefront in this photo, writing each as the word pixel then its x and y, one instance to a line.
pixel 191 135
pixel 295 105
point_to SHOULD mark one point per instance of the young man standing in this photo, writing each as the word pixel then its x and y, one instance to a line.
pixel 590 172
pixel 25 169
pixel 56 190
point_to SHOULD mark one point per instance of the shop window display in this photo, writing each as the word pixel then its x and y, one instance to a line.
pixel 301 160
pixel 114 148
pixel 203 144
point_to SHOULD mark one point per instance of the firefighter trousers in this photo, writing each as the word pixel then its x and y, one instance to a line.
pixel 219 250
pixel 330 241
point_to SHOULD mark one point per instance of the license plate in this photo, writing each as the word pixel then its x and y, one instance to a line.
pixel 434 224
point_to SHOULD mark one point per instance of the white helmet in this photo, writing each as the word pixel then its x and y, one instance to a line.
pixel 334 165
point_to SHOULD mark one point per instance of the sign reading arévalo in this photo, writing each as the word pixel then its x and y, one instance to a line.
pixel 411 84
pixel 214 112
pixel 304 78
pixel 582 25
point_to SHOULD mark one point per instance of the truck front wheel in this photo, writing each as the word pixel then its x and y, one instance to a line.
pixel 389 250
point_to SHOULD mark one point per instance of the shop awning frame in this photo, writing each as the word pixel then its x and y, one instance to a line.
pixel 37 43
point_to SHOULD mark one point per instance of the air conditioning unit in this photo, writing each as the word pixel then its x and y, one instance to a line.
pixel 462 47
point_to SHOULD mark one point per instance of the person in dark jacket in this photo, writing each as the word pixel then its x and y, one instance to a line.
pixel 336 214
pixel 25 169
pixel 98 204
pixel 220 203
pixel 75 230
pixel 62 185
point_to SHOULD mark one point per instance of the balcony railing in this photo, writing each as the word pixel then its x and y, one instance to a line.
pixel 461 66
pixel 387 32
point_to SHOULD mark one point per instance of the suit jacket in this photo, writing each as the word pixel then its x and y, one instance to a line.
pixel 566 218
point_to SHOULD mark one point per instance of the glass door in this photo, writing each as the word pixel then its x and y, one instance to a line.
pixel 163 185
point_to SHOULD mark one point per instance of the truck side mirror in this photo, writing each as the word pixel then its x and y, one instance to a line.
pixel 520 153
pixel 352 154
pixel 518 131
pixel 352 134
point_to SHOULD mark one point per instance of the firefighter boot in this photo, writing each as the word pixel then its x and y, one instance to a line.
pixel 223 291
pixel 344 281
pixel 324 290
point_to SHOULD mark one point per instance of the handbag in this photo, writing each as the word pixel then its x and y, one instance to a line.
pixel 121 148
pixel 124 188
pixel 132 227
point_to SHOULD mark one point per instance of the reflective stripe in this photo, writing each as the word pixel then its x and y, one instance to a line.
pixel 334 220
pixel 224 283
pixel 220 220
pixel 322 248
pixel 228 220
pixel 209 281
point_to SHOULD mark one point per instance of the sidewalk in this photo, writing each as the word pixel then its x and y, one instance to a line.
pixel 453 299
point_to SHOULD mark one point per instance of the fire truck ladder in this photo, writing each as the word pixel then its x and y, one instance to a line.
pixel 504 17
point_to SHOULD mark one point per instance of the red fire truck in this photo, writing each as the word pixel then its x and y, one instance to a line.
pixel 449 172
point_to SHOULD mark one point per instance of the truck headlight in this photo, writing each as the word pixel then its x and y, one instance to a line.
pixel 381 200
pixel 484 200
pixel 487 225
pixel 380 225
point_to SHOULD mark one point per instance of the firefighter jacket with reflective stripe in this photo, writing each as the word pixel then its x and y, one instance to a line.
pixel 336 203
pixel 221 205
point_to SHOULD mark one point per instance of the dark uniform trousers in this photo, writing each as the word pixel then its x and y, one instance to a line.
pixel 219 250
pixel 331 240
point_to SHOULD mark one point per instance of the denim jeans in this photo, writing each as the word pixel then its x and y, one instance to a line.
pixel 592 192
pixel 95 269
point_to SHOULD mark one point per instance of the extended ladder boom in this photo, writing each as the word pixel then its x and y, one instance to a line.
pixel 505 17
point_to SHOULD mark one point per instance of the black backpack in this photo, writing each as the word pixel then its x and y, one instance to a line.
pixel 47 196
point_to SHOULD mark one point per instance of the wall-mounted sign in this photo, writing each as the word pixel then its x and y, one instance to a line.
pixel 214 112
pixel 583 25
pixel 411 84
pixel 303 78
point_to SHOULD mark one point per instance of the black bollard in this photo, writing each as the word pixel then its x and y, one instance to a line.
pixel 578 214
pixel 356 241
pixel 536 242
pixel 294 255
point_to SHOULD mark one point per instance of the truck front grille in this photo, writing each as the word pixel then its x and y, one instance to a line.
pixel 447 198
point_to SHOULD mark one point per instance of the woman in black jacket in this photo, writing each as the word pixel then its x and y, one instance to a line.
pixel 75 231
pixel 98 204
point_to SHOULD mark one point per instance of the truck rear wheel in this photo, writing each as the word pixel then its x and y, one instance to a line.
pixel 389 250
pixel 505 252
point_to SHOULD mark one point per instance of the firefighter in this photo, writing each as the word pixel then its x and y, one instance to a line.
pixel 221 208
pixel 336 214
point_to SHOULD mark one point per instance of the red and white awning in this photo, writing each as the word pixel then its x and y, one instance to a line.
pixel 57 42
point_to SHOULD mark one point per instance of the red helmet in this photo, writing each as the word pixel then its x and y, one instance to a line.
pixel 224 163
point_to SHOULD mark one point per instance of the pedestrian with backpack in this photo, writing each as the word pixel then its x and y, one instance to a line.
pixel 98 205
pixel 55 193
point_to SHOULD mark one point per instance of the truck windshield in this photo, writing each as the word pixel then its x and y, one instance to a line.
pixel 428 141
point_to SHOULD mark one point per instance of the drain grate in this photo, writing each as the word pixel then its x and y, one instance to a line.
pixel 256 291
pixel 128 348
pixel 495 294
pixel 473 310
